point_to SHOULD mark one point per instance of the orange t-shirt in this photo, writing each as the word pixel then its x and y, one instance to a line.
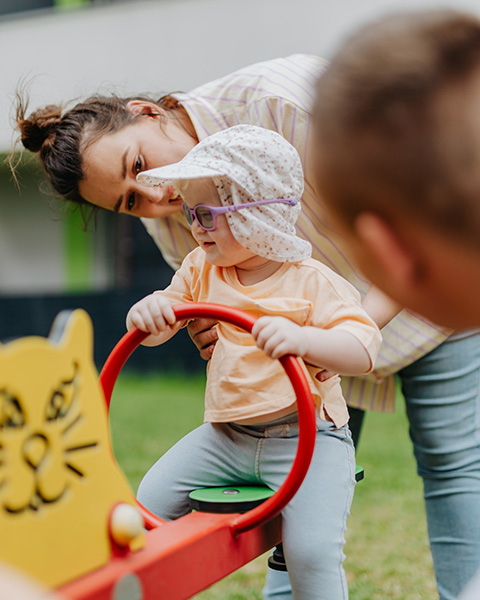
pixel 242 381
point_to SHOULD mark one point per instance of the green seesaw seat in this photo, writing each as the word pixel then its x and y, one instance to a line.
pixel 239 499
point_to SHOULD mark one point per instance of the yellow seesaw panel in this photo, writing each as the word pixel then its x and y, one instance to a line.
pixel 58 480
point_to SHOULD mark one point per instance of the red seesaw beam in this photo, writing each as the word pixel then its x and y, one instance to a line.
pixel 180 559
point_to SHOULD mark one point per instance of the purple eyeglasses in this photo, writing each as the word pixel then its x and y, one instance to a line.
pixel 206 216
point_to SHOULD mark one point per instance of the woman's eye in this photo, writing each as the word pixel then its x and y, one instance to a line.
pixel 130 202
pixel 138 165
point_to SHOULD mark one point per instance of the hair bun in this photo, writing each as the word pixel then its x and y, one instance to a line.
pixel 40 127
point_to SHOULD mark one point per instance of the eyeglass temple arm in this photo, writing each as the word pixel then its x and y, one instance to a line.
pixel 291 201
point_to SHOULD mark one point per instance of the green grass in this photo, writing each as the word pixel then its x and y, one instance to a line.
pixel 149 414
pixel 387 547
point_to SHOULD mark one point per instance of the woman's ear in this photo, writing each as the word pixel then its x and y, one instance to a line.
pixel 142 107
pixel 390 260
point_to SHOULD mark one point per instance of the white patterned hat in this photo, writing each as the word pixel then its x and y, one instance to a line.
pixel 248 163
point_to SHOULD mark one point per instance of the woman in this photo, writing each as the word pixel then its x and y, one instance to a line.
pixel 92 155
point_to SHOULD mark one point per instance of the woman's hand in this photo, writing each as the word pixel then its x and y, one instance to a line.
pixel 325 374
pixel 204 335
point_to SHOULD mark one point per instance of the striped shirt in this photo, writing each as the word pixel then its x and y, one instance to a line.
pixel 278 95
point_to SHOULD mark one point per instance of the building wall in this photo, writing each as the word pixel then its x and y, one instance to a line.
pixel 30 240
pixel 165 45
pixel 43 247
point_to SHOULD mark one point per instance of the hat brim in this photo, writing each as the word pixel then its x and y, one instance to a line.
pixel 176 172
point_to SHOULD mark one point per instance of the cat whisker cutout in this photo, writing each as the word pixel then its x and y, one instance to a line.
pixel 75 470
pixel 82 447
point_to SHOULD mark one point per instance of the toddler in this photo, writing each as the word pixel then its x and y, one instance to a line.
pixel 241 189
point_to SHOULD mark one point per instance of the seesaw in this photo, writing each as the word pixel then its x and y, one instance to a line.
pixel 67 515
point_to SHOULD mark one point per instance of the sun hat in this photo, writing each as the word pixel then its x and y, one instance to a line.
pixel 248 163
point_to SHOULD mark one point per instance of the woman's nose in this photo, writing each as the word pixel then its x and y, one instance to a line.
pixel 154 195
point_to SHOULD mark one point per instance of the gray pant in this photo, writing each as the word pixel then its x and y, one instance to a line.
pixel 314 522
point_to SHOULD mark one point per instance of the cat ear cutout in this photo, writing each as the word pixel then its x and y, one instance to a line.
pixel 72 328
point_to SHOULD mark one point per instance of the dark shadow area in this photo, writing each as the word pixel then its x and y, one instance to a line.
pixel 27 316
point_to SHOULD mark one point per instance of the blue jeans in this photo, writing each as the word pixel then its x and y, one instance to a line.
pixel 314 521
pixel 442 395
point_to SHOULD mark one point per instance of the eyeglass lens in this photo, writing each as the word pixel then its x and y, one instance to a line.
pixel 203 214
pixel 205 217
pixel 187 213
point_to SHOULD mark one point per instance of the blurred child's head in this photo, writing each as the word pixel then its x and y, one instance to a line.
pixel 244 164
pixel 397 147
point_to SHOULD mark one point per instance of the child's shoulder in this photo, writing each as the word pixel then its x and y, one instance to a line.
pixel 192 265
pixel 195 257
pixel 316 272
pixel 314 266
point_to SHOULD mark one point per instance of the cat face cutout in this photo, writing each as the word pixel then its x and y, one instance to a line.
pixel 38 452
pixel 42 441
pixel 58 480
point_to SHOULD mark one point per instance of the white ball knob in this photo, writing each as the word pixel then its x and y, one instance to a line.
pixel 126 523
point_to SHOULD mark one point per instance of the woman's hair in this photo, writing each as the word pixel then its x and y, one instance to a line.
pixel 60 135
pixel 396 121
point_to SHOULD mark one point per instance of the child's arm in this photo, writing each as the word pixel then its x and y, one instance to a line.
pixel 154 314
pixel 331 349
pixel 380 307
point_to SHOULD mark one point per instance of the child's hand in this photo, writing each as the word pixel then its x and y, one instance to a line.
pixel 153 314
pixel 278 336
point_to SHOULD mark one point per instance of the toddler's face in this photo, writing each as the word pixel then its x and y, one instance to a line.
pixel 220 246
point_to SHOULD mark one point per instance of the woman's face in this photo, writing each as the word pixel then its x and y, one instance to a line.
pixel 112 163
